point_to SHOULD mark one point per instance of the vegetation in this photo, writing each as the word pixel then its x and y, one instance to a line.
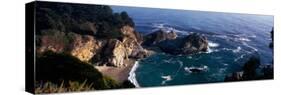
pixel 96 20
pixel 57 25
pixel 53 69
pixel 49 87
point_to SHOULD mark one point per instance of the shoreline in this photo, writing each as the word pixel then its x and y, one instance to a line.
pixel 120 74
pixel 132 74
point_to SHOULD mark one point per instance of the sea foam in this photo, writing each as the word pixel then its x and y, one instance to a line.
pixel 132 75
pixel 212 44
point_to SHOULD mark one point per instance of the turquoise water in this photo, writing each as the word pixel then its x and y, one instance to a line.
pixel 232 39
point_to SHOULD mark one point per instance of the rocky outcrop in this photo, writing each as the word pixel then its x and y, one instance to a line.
pixel 158 36
pixel 84 47
pixel 195 43
pixel 248 71
pixel 89 49
pixel 272 35
pixel 190 44
pixel 115 53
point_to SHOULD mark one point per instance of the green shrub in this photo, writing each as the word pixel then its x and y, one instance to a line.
pixel 72 18
pixel 55 68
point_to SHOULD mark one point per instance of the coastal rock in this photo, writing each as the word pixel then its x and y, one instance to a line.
pixel 129 32
pixel 158 36
pixel 248 71
pixel 250 67
pixel 272 35
pixel 190 44
pixel 236 76
pixel 115 53
pixel 89 49
pixel 83 47
pixel 132 43
pixel 195 43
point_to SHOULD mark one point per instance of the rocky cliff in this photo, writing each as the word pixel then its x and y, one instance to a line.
pixel 91 33
pixel 112 52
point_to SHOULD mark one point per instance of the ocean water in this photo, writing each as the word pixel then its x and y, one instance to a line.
pixel 233 38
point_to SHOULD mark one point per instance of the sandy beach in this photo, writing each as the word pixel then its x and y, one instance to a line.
pixel 119 74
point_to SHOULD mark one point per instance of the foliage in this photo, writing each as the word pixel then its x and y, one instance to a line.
pixel 55 68
pixel 49 87
pixel 97 20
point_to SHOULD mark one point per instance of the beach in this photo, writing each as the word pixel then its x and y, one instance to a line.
pixel 120 74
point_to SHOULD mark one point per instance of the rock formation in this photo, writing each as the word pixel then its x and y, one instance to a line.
pixel 272 35
pixel 115 53
pixel 158 36
pixel 85 47
pixel 190 44
pixel 248 71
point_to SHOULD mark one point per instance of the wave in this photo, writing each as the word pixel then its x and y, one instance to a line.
pixel 238 49
pixel 166 28
pixel 212 44
pixel 240 57
pixel 132 75
pixel 166 79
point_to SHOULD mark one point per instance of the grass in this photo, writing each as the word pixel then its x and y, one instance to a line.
pixel 70 86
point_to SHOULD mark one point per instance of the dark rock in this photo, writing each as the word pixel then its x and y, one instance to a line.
pixel 193 43
pixel 248 71
pixel 268 72
pixel 250 67
pixel 236 76
pixel 272 37
pixel 158 36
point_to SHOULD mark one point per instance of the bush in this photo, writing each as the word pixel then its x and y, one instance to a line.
pixel 81 19
pixel 49 87
pixel 55 68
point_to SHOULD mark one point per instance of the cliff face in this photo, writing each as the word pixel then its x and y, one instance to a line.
pixel 85 47
pixel 93 34
pixel 81 46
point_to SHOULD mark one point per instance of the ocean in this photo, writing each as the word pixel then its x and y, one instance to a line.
pixel 233 38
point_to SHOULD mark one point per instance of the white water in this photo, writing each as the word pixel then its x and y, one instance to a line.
pixel 132 75
pixel 212 44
